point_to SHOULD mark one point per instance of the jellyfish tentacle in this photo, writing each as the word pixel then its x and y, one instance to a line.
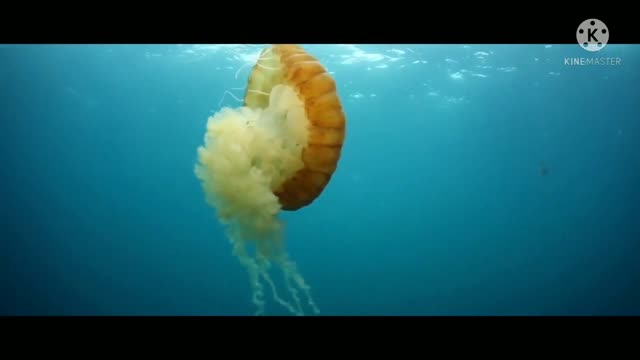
pixel 291 272
pixel 266 55
pixel 258 92
pixel 253 269
pixel 227 92
pixel 292 290
pixel 266 67
pixel 276 297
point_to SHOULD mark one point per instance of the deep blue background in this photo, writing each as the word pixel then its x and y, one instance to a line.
pixel 438 207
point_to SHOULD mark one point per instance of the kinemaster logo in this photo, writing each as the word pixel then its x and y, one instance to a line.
pixel 592 36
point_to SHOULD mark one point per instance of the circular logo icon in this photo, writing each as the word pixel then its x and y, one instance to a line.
pixel 592 35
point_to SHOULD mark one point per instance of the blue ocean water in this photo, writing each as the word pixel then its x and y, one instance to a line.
pixel 474 180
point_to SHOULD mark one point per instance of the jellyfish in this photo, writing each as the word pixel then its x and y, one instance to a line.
pixel 276 152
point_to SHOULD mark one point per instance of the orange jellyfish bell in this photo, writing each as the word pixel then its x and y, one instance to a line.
pixel 323 118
